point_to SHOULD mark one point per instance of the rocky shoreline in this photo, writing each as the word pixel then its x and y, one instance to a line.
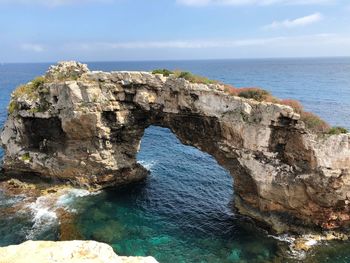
pixel 47 197
pixel 291 246
pixel 83 128
pixel 42 197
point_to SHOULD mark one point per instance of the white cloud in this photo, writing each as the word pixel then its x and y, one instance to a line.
pixel 301 21
pixel 279 46
pixel 278 41
pixel 252 2
pixel 207 44
pixel 32 47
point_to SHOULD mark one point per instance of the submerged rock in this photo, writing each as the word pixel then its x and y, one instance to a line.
pixel 85 127
pixel 110 232
pixel 65 252
pixel 234 256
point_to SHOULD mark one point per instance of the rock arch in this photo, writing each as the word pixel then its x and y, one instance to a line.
pixel 85 127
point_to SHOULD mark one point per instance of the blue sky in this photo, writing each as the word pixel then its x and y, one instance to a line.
pixel 109 30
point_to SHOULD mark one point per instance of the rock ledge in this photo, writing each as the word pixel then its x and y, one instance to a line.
pixel 65 252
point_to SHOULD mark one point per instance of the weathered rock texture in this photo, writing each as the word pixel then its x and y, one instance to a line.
pixel 86 127
pixel 65 252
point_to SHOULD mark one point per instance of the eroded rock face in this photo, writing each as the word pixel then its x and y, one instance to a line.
pixel 65 252
pixel 90 129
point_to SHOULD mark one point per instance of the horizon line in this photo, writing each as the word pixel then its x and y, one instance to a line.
pixel 175 60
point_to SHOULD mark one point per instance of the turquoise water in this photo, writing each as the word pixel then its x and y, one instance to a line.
pixel 182 212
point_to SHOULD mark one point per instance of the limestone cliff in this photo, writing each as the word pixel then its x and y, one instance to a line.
pixel 65 252
pixel 85 127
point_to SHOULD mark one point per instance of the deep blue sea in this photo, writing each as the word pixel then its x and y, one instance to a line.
pixel 182 212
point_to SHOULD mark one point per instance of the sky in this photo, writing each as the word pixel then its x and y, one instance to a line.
pixel 115 30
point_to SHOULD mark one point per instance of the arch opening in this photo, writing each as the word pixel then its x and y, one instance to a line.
pixel 182 212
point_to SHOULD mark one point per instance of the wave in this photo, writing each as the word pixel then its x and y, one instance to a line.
pixel 43 217
pixel 284 238
pixel 43 210
pixel 67 199
pixel 147 164
pixel 308 240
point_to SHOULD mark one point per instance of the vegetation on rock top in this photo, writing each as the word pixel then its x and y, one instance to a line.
pixel 194 78
pixel 164 72
pixel 66 70
pixel 337 130
pixel 311 120
pixel 25 157
pixel 185 75
pixel 32 91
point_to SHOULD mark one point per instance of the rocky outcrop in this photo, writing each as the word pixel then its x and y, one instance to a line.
pixel 85 127
pixel 65 252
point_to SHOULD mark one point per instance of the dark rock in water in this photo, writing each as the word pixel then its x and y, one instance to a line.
pixel 97 215
pixel 85 127
pixel 67 228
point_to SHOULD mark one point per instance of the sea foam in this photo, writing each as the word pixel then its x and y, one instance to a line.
pixel 43 210
pixel 147 164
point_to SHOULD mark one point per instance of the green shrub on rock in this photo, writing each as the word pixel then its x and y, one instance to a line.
pixel 12 107
pixel 254 93
pixel 194 78
pixel 314 122
pixel 337 130
pixel 164 72
pixel 31 89
pixel 26 157
pixel 38 82
pixel 185 75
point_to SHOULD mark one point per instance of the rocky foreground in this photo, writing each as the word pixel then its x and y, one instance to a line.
pixel 65 252
pixel 85 127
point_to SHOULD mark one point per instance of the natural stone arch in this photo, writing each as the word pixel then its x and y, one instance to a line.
pixel 86 127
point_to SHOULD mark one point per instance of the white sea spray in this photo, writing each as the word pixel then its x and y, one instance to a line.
pixel 67 199
pixel 43 216
pixel 284 238
pixel 43 210
pixel 289 239
pixel 147 164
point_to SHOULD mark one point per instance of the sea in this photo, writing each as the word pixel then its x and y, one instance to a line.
pixel 183 211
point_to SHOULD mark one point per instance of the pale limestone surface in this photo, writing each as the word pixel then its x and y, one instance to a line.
pixel 65 252
pixel 90 131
